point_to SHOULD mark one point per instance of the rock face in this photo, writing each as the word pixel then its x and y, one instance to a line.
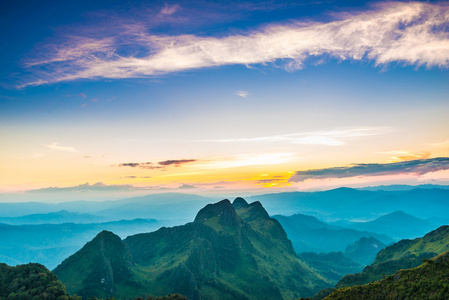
pixel 230 251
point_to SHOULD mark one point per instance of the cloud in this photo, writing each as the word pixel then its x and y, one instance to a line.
pixel 186 186
pixel 416 167
pixel 242 94
pixel 176 162
pixel 96 187
pixel 245 160
pixel 414 33
pixel 159 165
pixel 145 165
pixel 406 155
pixel 334 137
pixel 56 147
pixel 170 9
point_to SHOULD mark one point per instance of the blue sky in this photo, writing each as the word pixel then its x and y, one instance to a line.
pixel 249 92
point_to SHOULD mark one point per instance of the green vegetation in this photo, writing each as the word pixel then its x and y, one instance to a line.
pixel 332 266
pixel 428 281
pixel 30 282
pixel 364 250
pixel 98 268
pixel 228 252
pixel 402 255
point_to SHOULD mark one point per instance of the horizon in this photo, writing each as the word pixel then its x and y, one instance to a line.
pixel 112 99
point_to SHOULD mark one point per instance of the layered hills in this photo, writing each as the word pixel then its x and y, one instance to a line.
pixel 398 225
pixel 310 234
pixel 404 254
pixel 230 251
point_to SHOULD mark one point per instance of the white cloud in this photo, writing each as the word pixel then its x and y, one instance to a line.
pixel 413 33
pixel 242 94
pixel 170 9
pixel 245 160
pixel 327 138
pixel 56 147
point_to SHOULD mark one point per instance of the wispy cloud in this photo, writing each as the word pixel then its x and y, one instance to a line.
pixel 176 162
pixel 242 94
pixel 334 137
pixel 159 165
pixel 170 9
pixel 56 147
pixel 414 33
pixel 244 160
pixel 406 155
pixel 416 167
pixel 86 187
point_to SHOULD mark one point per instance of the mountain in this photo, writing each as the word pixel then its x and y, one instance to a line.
pixel 404 254
pixel 30 281
pixel 428 281
pixel 105 263
pixel 398 225
pixel 230 251
pixel 162 206
pixel 50 244
pixel 59 217
pixel 332 266
pixel 308 234
pixel 403 187
pixel 364 250
pixel 353 204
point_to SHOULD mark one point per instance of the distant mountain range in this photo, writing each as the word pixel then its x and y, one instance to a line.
pixel 398 225
pixel 230 251
pixel 59 217
pixel 353 204
pixel 49 244
pixel 307 234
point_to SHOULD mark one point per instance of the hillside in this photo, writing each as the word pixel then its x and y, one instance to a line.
pixel 332 266
pixel 404 254
pixel 230 251
pixel 308 234
pixel 428 281
pixel 364 250
pixel 105 262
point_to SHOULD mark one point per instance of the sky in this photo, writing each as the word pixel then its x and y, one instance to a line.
pixel 222 97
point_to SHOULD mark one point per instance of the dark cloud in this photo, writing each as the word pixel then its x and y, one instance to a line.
pixel 176 162
pixel 145 165
pixel 414 167
pixel 133 165
pixel 159 165
pixel 186 186
pixel 270 180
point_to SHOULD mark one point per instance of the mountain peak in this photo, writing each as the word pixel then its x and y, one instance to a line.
pixel 239 202
pixel 221 213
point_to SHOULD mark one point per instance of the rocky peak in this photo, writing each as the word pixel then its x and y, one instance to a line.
pixel 239 202
pixel 222 212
